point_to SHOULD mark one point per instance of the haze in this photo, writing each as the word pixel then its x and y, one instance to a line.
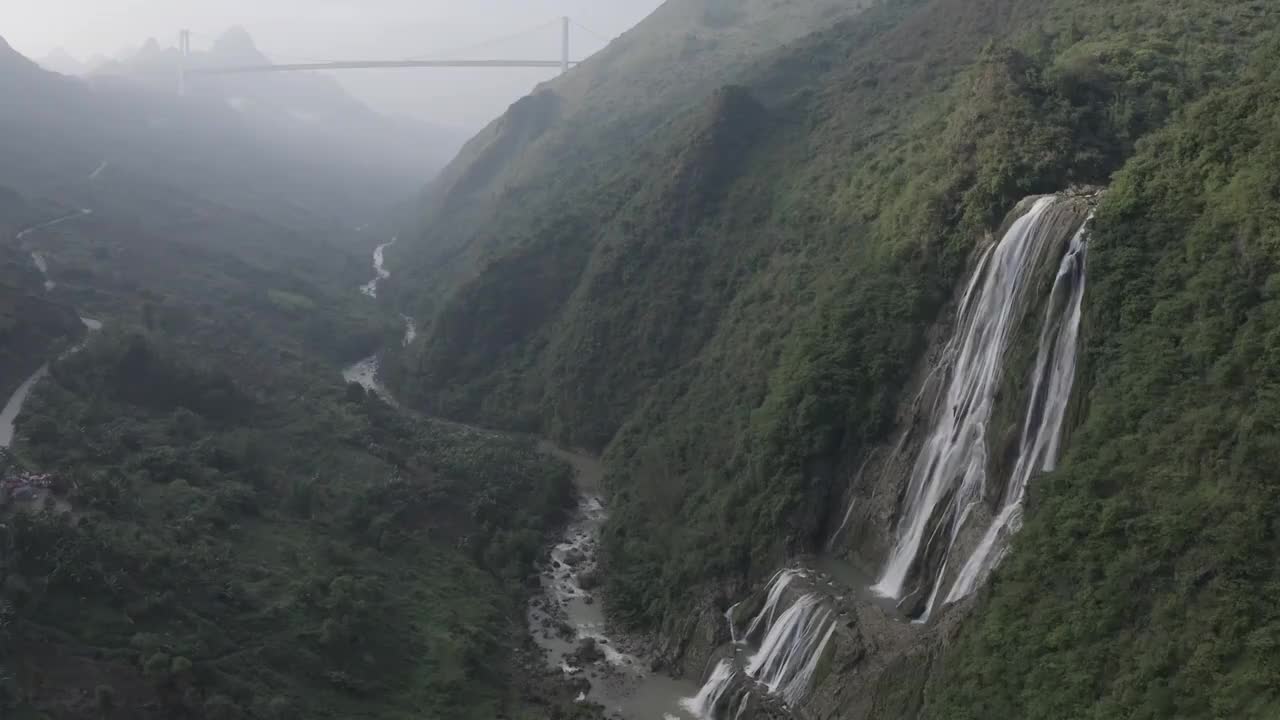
pixel 317 30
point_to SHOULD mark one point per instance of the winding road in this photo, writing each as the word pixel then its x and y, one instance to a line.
pixel 13 406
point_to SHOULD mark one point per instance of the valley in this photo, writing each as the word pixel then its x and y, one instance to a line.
pixel 804 360
pixel 206 521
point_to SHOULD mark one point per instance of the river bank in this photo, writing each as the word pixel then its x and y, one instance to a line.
pixel 565 618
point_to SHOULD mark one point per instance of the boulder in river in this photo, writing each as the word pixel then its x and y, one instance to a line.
pixel 589 579
pixel 588 652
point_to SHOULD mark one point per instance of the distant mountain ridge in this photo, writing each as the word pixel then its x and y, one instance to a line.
pixel 167 154
pixel 311 107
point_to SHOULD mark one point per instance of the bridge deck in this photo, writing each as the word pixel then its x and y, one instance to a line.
pixel 375 64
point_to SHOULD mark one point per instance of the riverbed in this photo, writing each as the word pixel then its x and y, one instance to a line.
pixel 568 611
pixel 565 613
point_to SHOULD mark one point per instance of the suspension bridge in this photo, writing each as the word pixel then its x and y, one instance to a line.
pixel 563 63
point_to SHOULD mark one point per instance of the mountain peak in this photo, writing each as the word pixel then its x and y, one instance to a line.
pixel 236 44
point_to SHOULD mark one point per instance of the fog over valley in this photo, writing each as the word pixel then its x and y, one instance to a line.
pixel 79 35
pixel 639 360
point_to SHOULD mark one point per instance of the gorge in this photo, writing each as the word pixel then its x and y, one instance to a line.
pixel 805 360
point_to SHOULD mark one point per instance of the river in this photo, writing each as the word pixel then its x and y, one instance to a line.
pixel 565 614
pixel 13 406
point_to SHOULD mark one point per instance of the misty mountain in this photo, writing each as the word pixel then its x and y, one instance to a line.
pixel 200 147
pixel 296 108
pixel 928 354
pixel 219 270
pixel 61 61
pixel 742 253
pixel 580 123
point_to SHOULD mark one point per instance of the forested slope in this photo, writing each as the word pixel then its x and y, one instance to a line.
pixel 1144 583
pixel 734 306
pixel 198 517
pixel 570 135
pixel 31 327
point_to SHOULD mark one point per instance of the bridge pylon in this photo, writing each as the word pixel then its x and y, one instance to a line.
pixel 564 45
pixel 184 53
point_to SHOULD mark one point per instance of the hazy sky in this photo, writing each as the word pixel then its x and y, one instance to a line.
pixel 297 30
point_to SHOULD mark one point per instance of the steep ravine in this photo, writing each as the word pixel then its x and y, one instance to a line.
pixel 565 618
pixel 853 633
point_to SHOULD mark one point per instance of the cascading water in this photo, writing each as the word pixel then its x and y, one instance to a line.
pixel 703 705
pixel 948 478
pixel 1055 372
pixel 793 643
pixel 728 616
pixel 790 653
pixel 381 273
pixel 777 586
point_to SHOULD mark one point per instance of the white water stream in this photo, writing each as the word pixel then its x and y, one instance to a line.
pixel 793 627
pixel 365 372
pixel 796 620
pixel 380 271
pixel 1054 374
pixel 949 477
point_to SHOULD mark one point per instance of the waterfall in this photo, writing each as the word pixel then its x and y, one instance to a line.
pixel 848 513
pixel 948 478
pixel 703 705
pixel 789 655
pixel 1054 374
pixel 728 616
pixel 786 663
pixel 777 586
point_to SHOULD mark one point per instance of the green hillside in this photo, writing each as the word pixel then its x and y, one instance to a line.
pixel 232 530
pixel 1144 584
pixel 732 307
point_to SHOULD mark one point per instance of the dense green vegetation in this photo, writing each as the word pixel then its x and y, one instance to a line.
pixel 232 531
pixel 1144 585
pixel 328 558
pixel 31 328
pixel 237 534
pixel 716 255
pixel 732 308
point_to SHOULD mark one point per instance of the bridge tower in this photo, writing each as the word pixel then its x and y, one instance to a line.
pixel 184 51
pixel 564 47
